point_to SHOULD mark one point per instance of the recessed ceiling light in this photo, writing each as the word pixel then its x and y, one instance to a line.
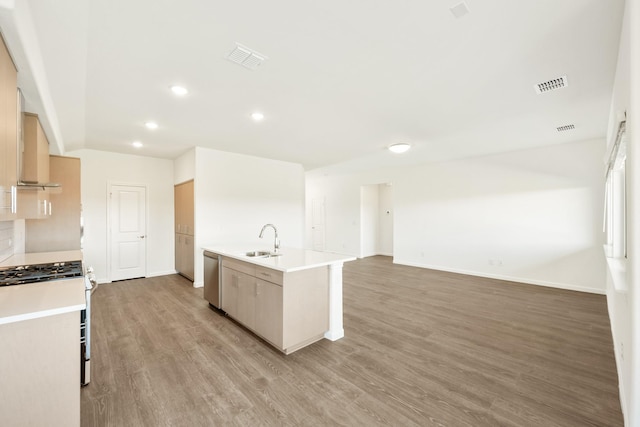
pixel 399 148
pixel 179 90
pixel 151 125
pixel 257 116
pixel 137 144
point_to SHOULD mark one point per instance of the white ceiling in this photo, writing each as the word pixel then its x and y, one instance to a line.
pixel 344 79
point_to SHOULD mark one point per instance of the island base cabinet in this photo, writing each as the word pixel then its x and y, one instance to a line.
pixel 238 296
pixel 289 310
pixel 305 316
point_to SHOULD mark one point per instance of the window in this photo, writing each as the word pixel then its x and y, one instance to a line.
pixel 615 216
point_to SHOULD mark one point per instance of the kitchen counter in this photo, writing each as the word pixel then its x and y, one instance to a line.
pixel 295 260
pixel 41 258
pixel 36 300
pixel 289 260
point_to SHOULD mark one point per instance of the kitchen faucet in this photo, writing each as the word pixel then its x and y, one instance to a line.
pixel 276 242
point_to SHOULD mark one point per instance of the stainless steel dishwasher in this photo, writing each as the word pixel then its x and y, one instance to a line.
pixel 212 273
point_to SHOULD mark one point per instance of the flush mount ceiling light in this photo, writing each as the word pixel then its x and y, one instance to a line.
pixel 401 147
pixel 179 90
pixel 151 125
pixel 137 144
pixel 257 116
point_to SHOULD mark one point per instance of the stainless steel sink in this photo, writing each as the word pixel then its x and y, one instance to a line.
pixel 261 254
pixel 258 253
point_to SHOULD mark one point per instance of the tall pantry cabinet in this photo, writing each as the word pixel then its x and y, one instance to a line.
pixel 184 229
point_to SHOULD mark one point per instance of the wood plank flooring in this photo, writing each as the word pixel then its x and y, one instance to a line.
pixel 422 348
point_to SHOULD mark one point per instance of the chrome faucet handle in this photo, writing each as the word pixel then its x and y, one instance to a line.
pixel 276 242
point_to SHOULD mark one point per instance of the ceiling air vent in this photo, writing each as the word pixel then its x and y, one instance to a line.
pixel 459 10
pixel 550 85
pixel 565 128
pixel 246 57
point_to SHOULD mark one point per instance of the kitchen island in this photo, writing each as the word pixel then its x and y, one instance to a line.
pixel 291 300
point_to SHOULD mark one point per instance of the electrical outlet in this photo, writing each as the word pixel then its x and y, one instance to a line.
pixel 422 254
pixel 622 350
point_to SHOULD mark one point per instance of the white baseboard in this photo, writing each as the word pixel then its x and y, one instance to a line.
pixel 198 284
pixel 565 286
pixel 334 335
pixel 161 273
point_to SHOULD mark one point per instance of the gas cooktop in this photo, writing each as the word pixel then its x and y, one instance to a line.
pixel 24 274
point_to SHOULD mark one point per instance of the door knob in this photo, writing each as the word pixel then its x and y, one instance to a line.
pixel 141 237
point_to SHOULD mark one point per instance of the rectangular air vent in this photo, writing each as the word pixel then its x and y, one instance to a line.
pixel 565 128
pixel 459 10
pixel 553 84
pixel 246 57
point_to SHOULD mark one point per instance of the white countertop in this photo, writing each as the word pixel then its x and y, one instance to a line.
pixel 291 259
pixel 34 300
pixel 41 258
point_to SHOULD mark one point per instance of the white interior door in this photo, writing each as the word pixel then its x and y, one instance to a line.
pixel 128 232
pixel 317 223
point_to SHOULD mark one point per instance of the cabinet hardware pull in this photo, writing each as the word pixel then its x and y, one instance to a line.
pixel 14 199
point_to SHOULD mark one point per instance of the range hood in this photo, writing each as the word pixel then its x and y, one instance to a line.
pixel 36 185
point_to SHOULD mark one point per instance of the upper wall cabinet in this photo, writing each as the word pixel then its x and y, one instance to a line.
pixel 8 135
pixel 35 157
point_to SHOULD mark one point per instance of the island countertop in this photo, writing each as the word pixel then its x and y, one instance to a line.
pixel 289 260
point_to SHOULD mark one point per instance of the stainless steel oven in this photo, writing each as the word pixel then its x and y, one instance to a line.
pixel 52 272
pixel 90 285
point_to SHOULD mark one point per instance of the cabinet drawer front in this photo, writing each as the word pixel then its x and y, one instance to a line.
pixel 244 267
pixel 273 276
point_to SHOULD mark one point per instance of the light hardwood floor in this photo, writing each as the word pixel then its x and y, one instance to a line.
pixel 421 348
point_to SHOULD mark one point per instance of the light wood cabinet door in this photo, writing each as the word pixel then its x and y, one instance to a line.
pixel 239 296
pixel 246 300
pixel 8 135
pixel 35 155
pixel 184 208
pixel 188 269
pixel 62 230
pixel 34 203
pixel 269 311
pixel 230 292
pixel 184 255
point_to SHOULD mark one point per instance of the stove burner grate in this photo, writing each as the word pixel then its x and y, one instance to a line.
pixel 24 274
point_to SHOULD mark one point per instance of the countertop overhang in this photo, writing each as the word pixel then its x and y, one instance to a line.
pixel 289 260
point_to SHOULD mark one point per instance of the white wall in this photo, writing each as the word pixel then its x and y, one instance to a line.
pixel 184 167
pixel 237 194
pixel 624 306
pixel 98 170
pixel 385 216
pixel 369 214
pixel 532 216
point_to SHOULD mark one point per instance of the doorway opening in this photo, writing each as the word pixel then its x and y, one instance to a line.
pixel 376 220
